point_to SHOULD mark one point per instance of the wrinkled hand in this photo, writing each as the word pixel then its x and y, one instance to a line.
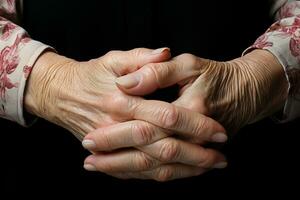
pixel 145 151
pixel 234 93
pixel 82 96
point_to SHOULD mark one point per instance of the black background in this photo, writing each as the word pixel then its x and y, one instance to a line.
pixel 45 158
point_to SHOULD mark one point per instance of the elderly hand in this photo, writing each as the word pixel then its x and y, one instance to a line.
pixel 234 93
pixel 82 96
pixel 137 149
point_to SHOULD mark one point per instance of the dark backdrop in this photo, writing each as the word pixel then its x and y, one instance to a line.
pixel 48 159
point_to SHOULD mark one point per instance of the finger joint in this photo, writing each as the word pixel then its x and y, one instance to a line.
pixel 169 151
pixel 164 174
pixel 142 133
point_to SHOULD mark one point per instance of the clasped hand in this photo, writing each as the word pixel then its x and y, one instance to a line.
pixel 131 137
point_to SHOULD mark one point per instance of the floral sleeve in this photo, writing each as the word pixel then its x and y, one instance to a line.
pixel 283 40
pixel 17 55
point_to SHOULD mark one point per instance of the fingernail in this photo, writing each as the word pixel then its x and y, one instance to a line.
pixel 219 137
pixel 159 51
pixel 88 144
pixel 89 167
pixel 128 81
pixel 220 165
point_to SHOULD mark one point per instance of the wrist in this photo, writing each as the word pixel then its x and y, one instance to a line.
pixel 269 80
pixel 39 83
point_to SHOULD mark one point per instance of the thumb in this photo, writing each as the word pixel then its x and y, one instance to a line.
pixel 159 75
pixel 194 99
pixel 124 62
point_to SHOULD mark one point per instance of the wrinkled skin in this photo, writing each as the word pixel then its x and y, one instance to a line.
pixel 82 97
pixel 235 93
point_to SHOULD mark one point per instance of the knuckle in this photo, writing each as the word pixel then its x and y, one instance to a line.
pixel 138 51
pixel 169 117
pixel 200 127
pixel 164 174
pixel 159 71
pixel 144 162
pixel 206 160
pixel 151 69
pixel 102 141
pixel 111 53
pixel 112 58
pixel 142 133
pixel 188 59
pixel 199 106
pixel 119 101
pixel 169 151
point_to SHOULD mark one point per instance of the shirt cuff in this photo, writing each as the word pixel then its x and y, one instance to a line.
pixel 20 58
pixel 283 42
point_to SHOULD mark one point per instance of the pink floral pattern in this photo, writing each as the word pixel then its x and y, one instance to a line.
pixel 9 60
pixel 289 10
pixel 262 42
pixel 295 47
pixel 8 9
pixel 17 54
pixel 7 6
pixel 7 29
pixel 26 70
